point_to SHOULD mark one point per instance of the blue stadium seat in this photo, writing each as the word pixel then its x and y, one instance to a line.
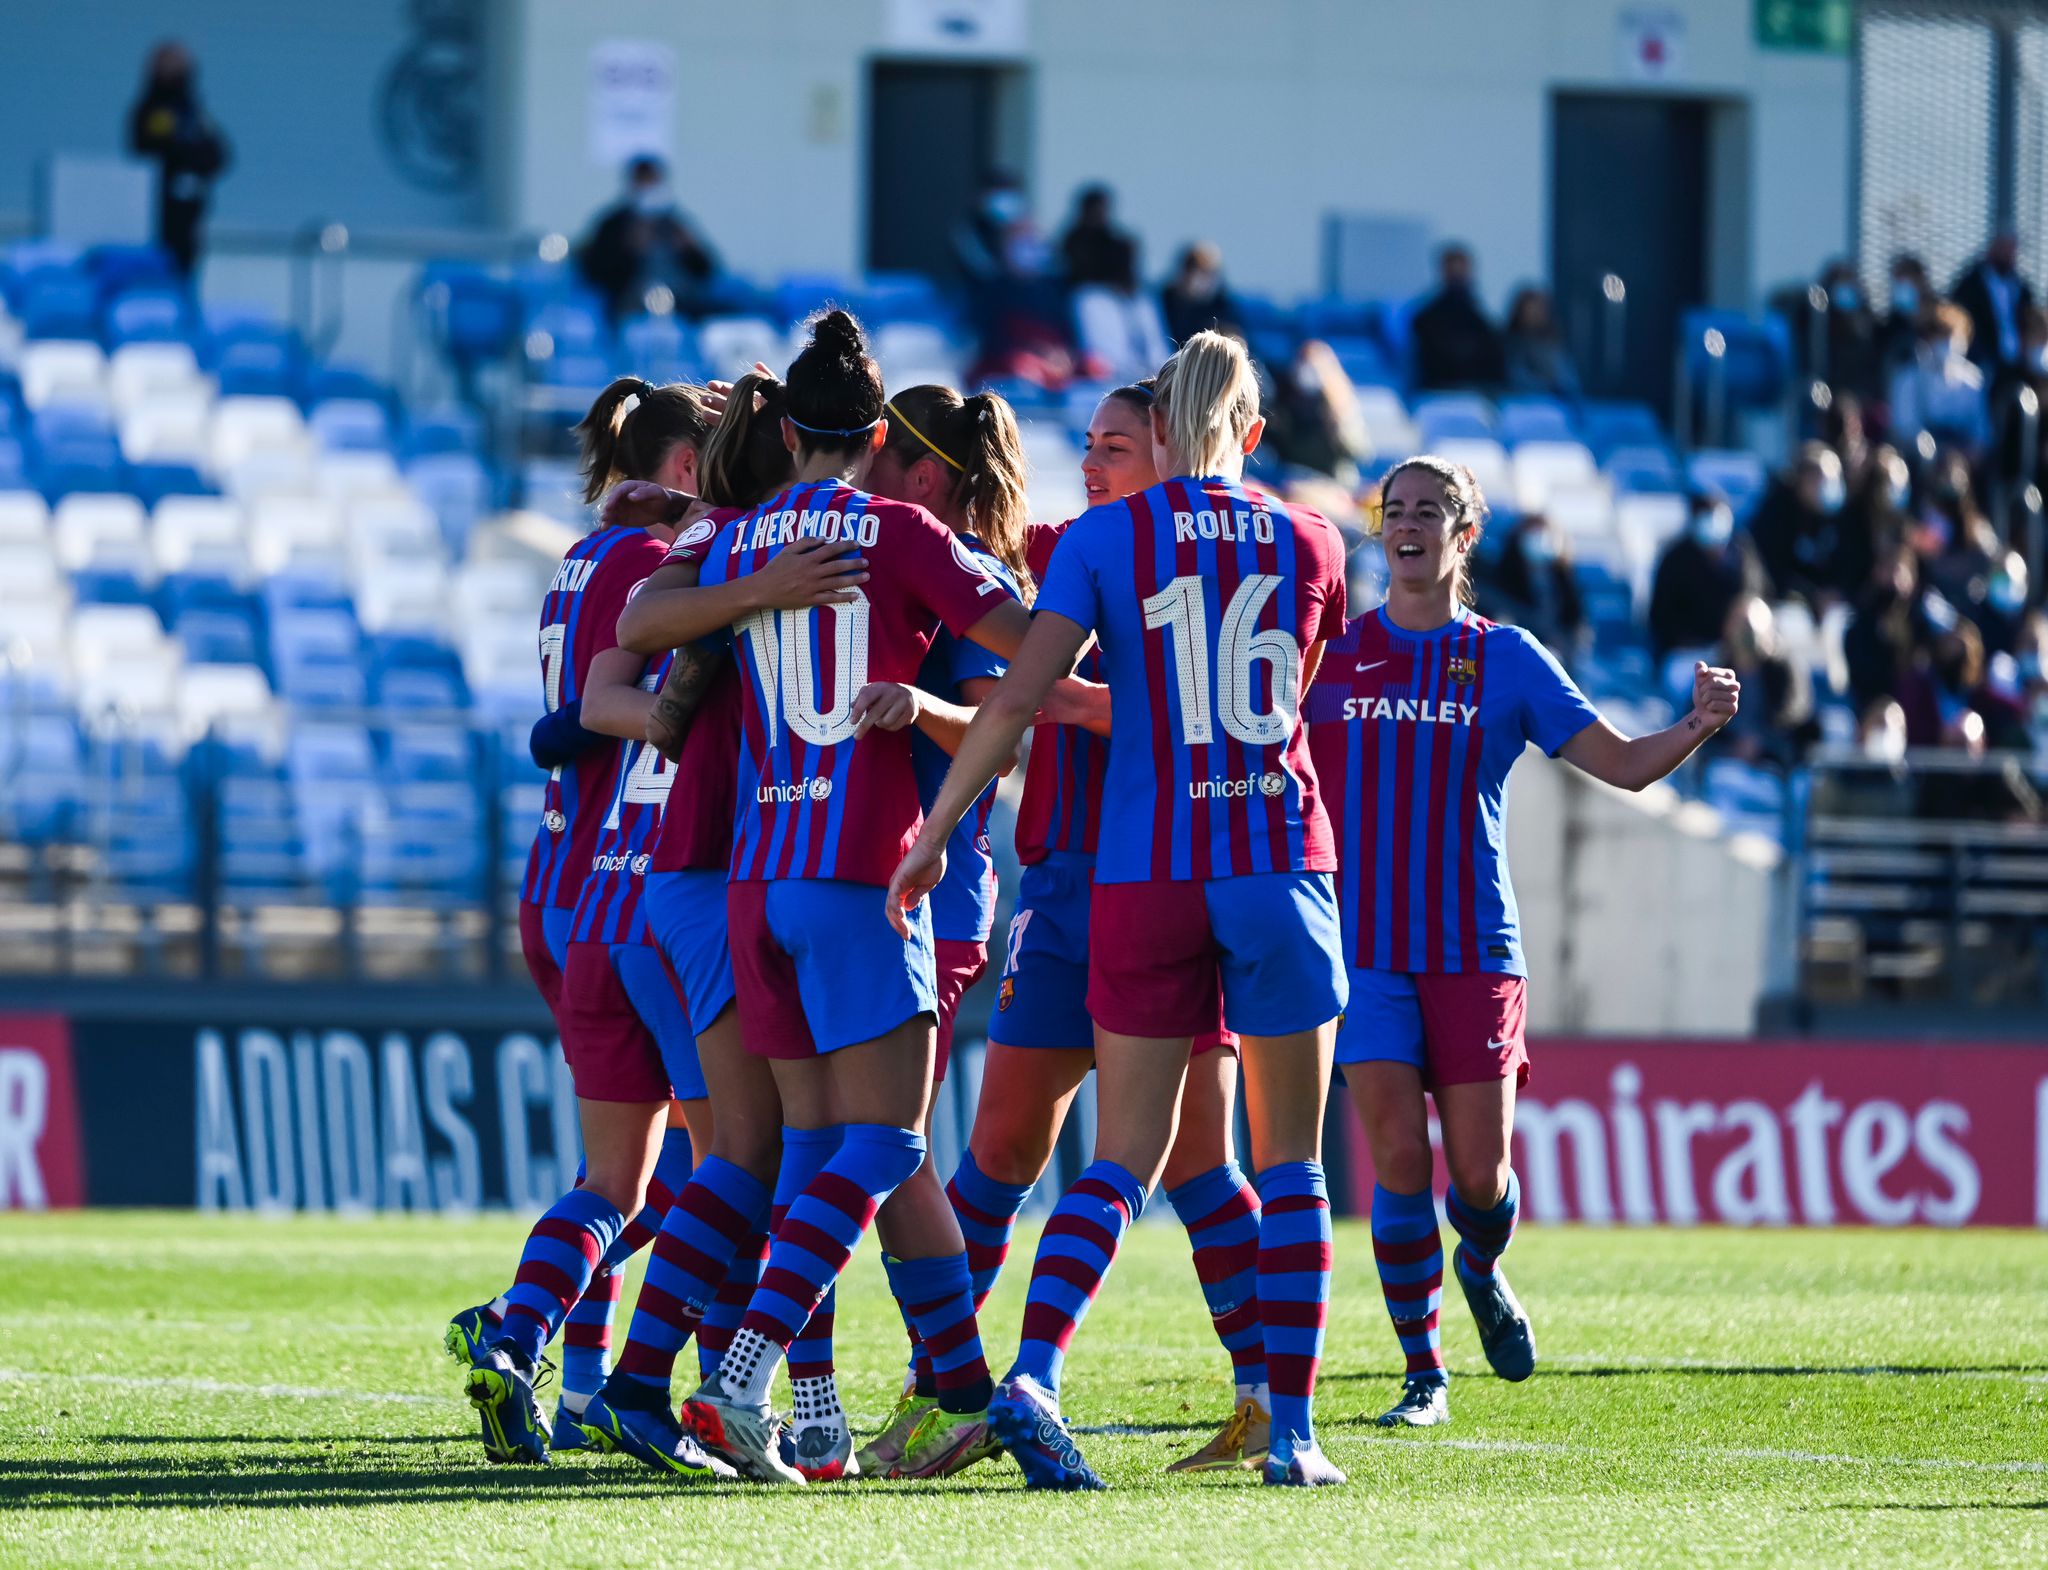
pixel 1534 420
pixel 260 367
pixel 60 305
pixel 26 261
pixel 587 372
pixel 890 297
pixel 451 428
pixel 659 348
pixel 1755 357
pixel 147 315
pixel 473 315
pixel 218 637
pixel 1452 416
pixel 456 488
pixel 350 425
pixel 75 450
pixel 1364 361
pixel 1607 426
pixel 150 849
pixel 419 753
pixel 1331 318
pixel 1644 468
pixel 152 482
pixel 327 380
pixel 261 849
pixel 16 471
pixel 40 763
pixel 573 324
pixel 120 267
pixel 797 295
pixel 1738 475
pixel 316 682
pixel 108 586
pixel 180 592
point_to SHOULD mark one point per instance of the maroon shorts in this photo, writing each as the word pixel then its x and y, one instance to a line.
pixel 961 965
pixel 1461 1028
pixel 612 1054
pixel 540 963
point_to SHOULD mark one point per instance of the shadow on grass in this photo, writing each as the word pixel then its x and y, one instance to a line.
pixel 1730 1370
pixel 1971 1504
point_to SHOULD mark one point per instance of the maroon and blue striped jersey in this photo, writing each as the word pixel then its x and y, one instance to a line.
pixel 1062 803
pixel 1205 598
pixel 814 800
pixel 609 910
pixel 1413 735
pixel 579 619
pixel 696 825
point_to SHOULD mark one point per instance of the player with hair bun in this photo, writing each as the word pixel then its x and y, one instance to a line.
pixel 1421 709
pixel 1212 902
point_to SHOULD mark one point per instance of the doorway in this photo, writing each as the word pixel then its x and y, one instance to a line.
pixel 934 133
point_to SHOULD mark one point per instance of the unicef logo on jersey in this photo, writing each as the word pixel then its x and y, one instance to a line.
pixel 820 788
pixel 554 821
pixel 641 863
pixel 1237 790
pixel 1272 784
pixel 795 791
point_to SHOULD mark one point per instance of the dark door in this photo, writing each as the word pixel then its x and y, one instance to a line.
pixel 931 141
pixel 1628 198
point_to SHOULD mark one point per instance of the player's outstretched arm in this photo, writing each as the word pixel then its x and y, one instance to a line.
pixel 674 609
pixel 614 702
pixel 1606 754
pixel 1047 653
pixel 682 692
pixel 883 705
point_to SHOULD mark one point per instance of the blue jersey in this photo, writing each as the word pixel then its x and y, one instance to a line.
pixel 1205 598
pixel 1413 735
pixel 609 909
pixel 964 903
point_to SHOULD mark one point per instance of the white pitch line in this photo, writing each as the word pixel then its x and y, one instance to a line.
pixel 216 1387
pixel 1658 1365
pixel 1801 1457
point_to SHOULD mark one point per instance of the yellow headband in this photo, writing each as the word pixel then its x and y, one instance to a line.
pixel 920 435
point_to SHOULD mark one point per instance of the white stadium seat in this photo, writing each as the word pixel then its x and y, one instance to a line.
pixel 24 518
pixel 200 534
pixel 140 371
pixel 173 425
pixel 248 423
pixel 1488 461
pixel 1541 466
pixel 91 530
pixel 294 531
pixel 63 370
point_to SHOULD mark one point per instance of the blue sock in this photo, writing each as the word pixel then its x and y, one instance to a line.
pixel 804 1154
pixel 1221 1214
pixel 587 1331
pixel 938 1300
pixel 1484 1235
pixel 1294 1287
pixel 1074 1255
pixel 562 1252
pixel 988 1215
pixel 1408 1249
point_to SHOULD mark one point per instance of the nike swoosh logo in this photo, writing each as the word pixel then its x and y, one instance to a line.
pixel 1375 665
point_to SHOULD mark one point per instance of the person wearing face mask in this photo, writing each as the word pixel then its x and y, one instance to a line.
pixel 1779 724
pixel 645 241
pixel 1701 573
pixel 1852 352
pixel 1907 288
pixel 1888 627
pixel 1797 523
pixel 1456 346
pixel 1874 517
pixel 2032 376
pixel 169 126
pixel 1534 586
pixel 1939 391
pixel 1015 296
pixel 1996 299
pixel 1196 299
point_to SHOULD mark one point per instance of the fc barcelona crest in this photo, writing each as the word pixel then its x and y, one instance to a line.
pixel 1005 992
pixel 1464 671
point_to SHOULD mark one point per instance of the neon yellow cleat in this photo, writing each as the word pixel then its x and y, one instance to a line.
pixel 946 1442
pixel 1241 1442
pixel 878 1457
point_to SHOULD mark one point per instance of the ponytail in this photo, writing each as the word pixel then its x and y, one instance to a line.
pixel 834 387
pixel 634 425
pixel 1210 396
pixel 977 441
pixel 745 462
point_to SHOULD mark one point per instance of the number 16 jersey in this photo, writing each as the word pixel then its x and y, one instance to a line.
pixel 1204 596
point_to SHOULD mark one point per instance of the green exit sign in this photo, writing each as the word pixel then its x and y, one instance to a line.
pixel 1818 26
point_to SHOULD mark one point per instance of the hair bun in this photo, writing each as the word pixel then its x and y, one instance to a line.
pixel 836 332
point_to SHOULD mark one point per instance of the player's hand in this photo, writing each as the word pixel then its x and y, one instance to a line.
pixel 718 394
pixel 884 705
pixel 640 504
pixel 1073 700
pixel 916 876
pixel 1716 695
pixel 807 573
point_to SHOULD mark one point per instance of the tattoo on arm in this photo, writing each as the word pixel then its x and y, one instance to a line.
pixel 689 678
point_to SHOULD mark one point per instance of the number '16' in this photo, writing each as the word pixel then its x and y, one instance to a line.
pixel 1179 607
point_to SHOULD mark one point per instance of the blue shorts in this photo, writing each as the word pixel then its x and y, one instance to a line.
pixel 644 973
pixel 1262 953
pixel 817 966
pixel 1042 997
pixel 1452 1028
pixel 686 913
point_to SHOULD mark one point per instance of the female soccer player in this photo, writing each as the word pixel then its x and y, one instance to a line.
pixel 1211 877
pixel 1040 1038
pixel 1421 710
pixel 828 799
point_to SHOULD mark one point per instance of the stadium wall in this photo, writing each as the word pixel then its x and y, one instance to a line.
pixel 327 1103
pixel 1437 112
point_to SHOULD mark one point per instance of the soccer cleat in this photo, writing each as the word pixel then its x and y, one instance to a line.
pixel 944 1443
pixel 1025 1420
pixel 1241 1442
pixel 748 1438
pixel 824 1452
pixel 567 1431
pixel 652 1436
pixel 1504 1329
pixel 878 1457
pixel 467 1332
pixel 1424 1403
pixel 1295 1462
pixel 501 1390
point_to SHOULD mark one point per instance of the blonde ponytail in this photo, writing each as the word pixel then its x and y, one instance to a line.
pixel 1209 394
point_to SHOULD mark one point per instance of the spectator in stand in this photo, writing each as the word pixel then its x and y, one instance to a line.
pixel 1940 392
pixel 1538 363
pixel 1534 585
pixel 1937 690
pixel 1196 298
pixel 1702 572
pixel 1874 518
pixel 1957 545
pixel 1094 250
pixel 1890 628
pixel 1898 330
pixel 1843 428
pixel 1456 346
pixel 1797 523
pixel 1853 358
pixel 1115 322
pixel 169 126
pixel 2007 423
pixel 1016 296
pixel 2030 657
pixel 1781 724
pixel 1996 299
pixel 643 242
pixel 1313 417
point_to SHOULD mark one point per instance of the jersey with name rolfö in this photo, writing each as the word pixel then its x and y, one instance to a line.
pixel 964 903
pixel 814 800
pixel 579 619
pixel 1062 802
pixel 1413 735
pixel 1205 597
pixel 609 910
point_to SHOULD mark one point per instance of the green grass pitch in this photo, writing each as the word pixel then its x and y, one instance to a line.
pixel 202 1391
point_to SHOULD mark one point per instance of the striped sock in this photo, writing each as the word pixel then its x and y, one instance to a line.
pixel 729 1307
pixel 988 1215
pixel 922 1377
pixel 804 1154
pixel 1484 1235
pixel 1410 1253
pixel 1221 1212
pixel 587 1332
pixel 706 1225
pixel 938 1299
pixel 812 1246
pixel 1294 1287
pixel 561 1254
pixel 1075 1253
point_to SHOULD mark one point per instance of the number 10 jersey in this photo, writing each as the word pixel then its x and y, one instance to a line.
pixel 1204 596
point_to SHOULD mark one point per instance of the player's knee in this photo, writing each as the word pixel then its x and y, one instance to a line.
pixel 621 1185
pixel 1402 1165
pixel 1008 1155
pixel 1481 1184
